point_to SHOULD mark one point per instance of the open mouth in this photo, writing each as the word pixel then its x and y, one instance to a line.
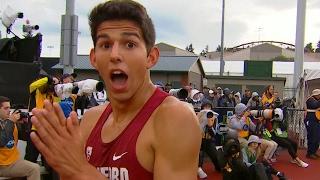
pixel 119 78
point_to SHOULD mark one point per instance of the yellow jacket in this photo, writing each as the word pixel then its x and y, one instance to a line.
pixel 9 156
pixel 39 86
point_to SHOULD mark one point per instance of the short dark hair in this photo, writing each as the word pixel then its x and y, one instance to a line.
pixel 123 10
pixel 3 99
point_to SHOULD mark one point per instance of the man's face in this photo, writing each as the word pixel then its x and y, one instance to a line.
pixel 5 110
pixel 121 58
pixel 248 93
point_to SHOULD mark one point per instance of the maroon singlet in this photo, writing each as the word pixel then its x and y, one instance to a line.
pixel 117 159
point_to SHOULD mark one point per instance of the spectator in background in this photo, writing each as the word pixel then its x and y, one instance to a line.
pixel 74 76
pixel 205 91
pixel 208 96
pixel 242 124
pixel 268 98
pixel 312 124
pixel 246 96
pixel 39 90
pixel 168 87
pixel 237 98
pixel 214 97
pixel 254 102
pixel 225 100
pixel 277 100
pixel 208 121
pixel 219 90
pixel 67 78
pixel 10 163
pixel 258 170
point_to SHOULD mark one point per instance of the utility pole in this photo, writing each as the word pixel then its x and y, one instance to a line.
pixel 299 44
pixel 299 53
pixel 222 39
pixel 69 38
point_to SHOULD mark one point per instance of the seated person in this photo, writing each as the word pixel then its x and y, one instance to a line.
pixel 250 155
pixel 279 135
pixel 10 163
pixel 241 122
pixel 233 165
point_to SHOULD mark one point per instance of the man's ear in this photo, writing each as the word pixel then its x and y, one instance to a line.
pixel 153 57
pixel 93 59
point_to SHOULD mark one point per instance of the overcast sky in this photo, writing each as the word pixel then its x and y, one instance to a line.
pixel 181 22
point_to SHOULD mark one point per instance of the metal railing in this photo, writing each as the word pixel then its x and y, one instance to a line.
pixel 294 118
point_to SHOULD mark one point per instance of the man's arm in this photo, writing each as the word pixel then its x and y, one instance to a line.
pixel 38 83
pixel 177 142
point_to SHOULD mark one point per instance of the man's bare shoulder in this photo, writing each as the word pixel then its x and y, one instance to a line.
pixel 177 139
pixel 175 115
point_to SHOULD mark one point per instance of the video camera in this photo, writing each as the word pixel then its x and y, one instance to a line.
pixel 27 28
pixel 181 93
pixel 273 114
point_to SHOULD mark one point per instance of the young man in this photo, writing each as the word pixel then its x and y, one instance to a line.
pixel 142 133
pixel 10 163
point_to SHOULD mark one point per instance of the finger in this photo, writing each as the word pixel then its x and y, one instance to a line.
pixel 72 123
pixel 47 104
pixel 60 114
pixel 45 151
pixel 45 131
pixel 53 121
pixel 53 118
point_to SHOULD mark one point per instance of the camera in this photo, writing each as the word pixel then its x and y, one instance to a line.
pixel 181 94
pixel 22 114
pixel 28 29
pixel 273 114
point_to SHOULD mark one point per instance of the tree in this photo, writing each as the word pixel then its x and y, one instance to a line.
pixel 318 47
pixel 190 48
pixel 219 48
pixel 205 51
pixel 308 48
pixel 282 58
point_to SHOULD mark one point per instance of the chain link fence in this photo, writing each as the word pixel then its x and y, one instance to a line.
pixel 294 118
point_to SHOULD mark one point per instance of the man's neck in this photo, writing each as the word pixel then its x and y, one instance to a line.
pixel 121 110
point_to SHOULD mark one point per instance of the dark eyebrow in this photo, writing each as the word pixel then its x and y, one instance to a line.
pixel 131 34
pixel 105 36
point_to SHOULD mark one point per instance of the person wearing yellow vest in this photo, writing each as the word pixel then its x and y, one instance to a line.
pixel 39 90
pixel 10 163
pixel 242 123
pixel 268 97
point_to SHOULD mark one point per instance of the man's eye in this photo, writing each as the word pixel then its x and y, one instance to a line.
pixel 106 45
pixel 130 45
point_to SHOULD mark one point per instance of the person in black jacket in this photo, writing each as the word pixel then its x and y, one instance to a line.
pixel 312 124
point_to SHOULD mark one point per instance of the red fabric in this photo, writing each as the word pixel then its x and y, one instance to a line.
pixel 117 159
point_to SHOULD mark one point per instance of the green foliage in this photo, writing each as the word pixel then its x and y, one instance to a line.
pixel 282 58
pixel 308 48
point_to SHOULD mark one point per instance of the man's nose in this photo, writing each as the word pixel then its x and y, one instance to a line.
pixel 115 52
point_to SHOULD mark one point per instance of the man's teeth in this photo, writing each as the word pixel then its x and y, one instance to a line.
pixel 117 72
